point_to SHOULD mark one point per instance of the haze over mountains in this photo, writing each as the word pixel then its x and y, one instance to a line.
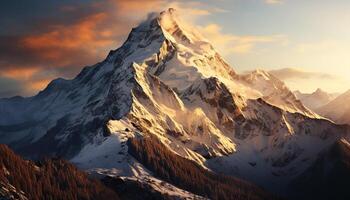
pixel 167 87
pixel 331 106
pixel 338 109
pixel 316 99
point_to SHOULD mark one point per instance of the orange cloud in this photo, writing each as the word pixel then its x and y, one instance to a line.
pixel 85 34
pixel 19 73
pixel 126 7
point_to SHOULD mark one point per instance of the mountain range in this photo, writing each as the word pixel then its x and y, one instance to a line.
pixel 166 104
pixel 337 110
pixel 316 99
pixel 331 106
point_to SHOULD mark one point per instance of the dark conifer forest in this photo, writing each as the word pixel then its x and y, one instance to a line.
pixel 52 179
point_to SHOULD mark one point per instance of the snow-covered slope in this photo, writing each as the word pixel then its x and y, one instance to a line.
pixel 274 91
pixel 338 109
pixel 316 99
pixel 167 80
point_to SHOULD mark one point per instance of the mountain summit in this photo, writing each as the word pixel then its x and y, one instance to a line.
pixel 168 82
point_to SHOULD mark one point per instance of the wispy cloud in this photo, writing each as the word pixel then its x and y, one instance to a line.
pixel 308 81
pixel 296 73
pixel 274 1
pixel 239 44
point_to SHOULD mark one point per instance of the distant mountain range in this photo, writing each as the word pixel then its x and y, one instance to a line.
pixel 338 109
pixel 316 99
pixel 165 109
pixel 332 106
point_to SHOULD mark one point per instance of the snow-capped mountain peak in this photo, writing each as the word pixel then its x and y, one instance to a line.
pixel 171 24
pixel 180 32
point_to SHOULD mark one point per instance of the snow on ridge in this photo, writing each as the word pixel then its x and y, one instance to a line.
pixel 274 91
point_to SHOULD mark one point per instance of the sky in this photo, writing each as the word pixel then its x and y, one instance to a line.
pixel 303 42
